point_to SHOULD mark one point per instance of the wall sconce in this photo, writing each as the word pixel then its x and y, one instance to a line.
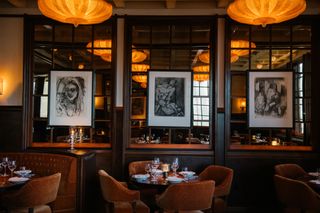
pixel 1 86
pixel 243 105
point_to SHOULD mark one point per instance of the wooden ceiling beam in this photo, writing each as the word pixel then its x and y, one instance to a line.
pixel 222 3
pixel 170 4
pixel 119 3
pixel 18 3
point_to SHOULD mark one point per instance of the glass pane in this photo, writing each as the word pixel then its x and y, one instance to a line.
pixel 160 59
pixel 40 84
pixel 63 59
pixel 240 63
pixel 43 32
pixel 102 31
pixel 260 59
pixel 239 32
pixel 200 34
pixel 180 59
pixel 280 34
pixel 83 34
pixel 42 60
pixel 102 132
pixel 238 85
pixel 280 59
pixel 82 59
pixel 161 34
pixel 40 131
pixel 260 35
pixel 63 33
pixel 100 63
pixel 301 33
pixel 181 34
pixel 40 106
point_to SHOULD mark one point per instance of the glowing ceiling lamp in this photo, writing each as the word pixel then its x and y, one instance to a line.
pixel 140 67
pixel 142 79
pixel 199 76
pixel 205 57
pixel 263 12
pixel 102 44
pixel 240 48
pixel 76 11
pixel 138 56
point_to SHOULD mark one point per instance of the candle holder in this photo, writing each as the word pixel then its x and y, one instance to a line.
pixel 72 138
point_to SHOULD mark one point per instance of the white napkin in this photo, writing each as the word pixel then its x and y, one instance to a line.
pixel 18 179
pixel 315 181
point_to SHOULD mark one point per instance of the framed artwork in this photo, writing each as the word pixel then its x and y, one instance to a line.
pixel 169 98
pixel 70 98
pixel 270 95
pixel 138 107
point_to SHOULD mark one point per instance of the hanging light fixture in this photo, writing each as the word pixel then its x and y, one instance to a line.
pixel 104 50
pixel 263 12
pixel 240 48
pixel 138 56
pixel 200 73
pixel 142 79
pixel 204 57
pixel 140 67
pixel 76 11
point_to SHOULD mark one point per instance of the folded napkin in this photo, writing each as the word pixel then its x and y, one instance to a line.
pixel 315 181
pixel 18 179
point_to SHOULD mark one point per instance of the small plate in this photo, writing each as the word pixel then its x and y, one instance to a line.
pixel 187 173
pixel 17 179
pixel 22 172
pixel 174 179
pixel 141 177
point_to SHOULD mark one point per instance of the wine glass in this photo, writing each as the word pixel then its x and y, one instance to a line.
pixel 12 166
pixel 175 166
pixel 4 163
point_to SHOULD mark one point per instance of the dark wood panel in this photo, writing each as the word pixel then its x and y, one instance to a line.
pixel 253 186
pixel 11 128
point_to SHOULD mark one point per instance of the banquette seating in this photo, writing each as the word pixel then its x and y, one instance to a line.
pixel 45 164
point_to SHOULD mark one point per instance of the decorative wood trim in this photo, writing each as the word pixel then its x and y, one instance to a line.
pixel 270 148
pixel 171 146
pixel 66 145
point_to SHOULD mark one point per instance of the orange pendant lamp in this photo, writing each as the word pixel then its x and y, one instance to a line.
pixel 142 79
pixel 76 11
pixel 236 53
pixel 263 12
pixel 200 73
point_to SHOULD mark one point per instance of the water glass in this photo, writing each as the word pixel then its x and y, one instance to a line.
pixel 4 163
pixel 12 166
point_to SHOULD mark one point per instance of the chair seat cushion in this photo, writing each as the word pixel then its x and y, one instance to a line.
pixel 37 209
pixel 126 207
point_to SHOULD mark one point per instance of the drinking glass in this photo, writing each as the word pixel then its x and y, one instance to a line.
pixel 5 164
pixel 175 166
pixel 12 166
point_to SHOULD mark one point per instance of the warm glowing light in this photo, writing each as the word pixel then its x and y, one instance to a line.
pixel 263 12
pixel 103 52
pixel 240 48
pixel 243 104
pixel 202 68
pixel 140 67
pixel 1 86
pixel 140 78
pixel 76 11
pixel 259 66
pixel 203 76
pixel 80 66
pixel 205 57
pixel 138 56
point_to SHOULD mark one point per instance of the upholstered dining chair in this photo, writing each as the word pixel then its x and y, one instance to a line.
pixel 118 197
pixel 190 196
pixel 223 177
pixel 138 167
pixel 35 196
pixel 290 170
pixel 296 195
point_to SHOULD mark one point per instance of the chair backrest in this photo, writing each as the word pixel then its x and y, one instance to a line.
pixel 138 167
pixel 296 194
pixel 222 176
pixel 38 191
pixel 289 170
pixel 187 196
pixel 113 190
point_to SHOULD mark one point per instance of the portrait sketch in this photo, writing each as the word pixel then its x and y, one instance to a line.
pixel 169 98
pixel 70 98
pixel 270 99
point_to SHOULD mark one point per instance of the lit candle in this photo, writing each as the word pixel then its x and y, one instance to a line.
pixel 165 167
pixel 274 142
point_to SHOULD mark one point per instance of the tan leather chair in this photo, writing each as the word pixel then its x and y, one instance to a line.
pixel 223 177
pixel 296 195
pixel 34 196
pixel 118 197
pixel 138 167
pixel 187 196
pixel 293 171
